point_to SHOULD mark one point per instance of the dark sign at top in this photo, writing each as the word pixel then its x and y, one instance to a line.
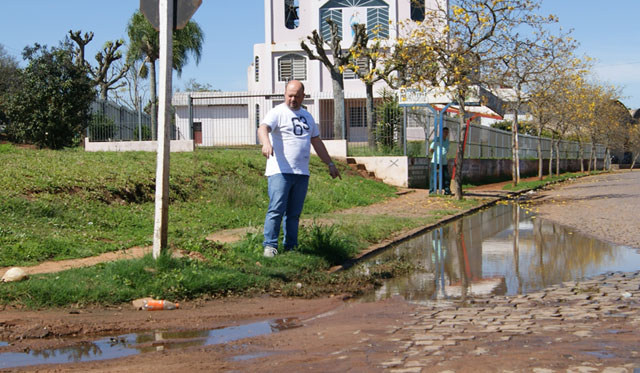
pixel 183 10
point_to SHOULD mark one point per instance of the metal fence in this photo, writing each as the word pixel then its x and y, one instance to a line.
pixel 482 142
pixel 112 122
pixel 232 119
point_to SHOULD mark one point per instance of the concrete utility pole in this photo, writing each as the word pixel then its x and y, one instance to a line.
pixel 171 15
pixel 166 10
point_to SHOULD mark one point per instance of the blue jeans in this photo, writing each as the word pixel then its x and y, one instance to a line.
pixel 286 199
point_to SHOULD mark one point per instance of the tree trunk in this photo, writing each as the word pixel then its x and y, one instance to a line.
pixel 515 156
pixel 371 119
pixel 456 183
pixel 539 151
pixel 633 163
pixel 339 131
pixel 591 156
pixel 558 158
pixel 154 100
pixel 551 158
pixel 103 91
pixel 581 155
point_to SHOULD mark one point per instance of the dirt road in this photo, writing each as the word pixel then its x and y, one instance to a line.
pixel 555 330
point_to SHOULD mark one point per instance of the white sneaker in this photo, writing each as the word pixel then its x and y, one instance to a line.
pixel 270 252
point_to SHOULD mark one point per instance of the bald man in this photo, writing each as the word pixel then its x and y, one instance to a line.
pixel 286 135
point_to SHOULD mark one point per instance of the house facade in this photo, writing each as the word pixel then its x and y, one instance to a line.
pixel 281 58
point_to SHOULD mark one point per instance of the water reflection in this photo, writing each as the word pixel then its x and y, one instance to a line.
pixel 130 344
pixel 501 250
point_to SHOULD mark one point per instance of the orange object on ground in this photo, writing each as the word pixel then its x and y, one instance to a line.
pixel 159 305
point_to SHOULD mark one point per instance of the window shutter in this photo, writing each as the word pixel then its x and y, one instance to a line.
pixel 292 66
pixel 333 14
pixel 300 68
pixel 378 22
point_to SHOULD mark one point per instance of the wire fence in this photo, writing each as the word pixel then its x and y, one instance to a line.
pixel 112 122
pixel 232 119
pixel 482 142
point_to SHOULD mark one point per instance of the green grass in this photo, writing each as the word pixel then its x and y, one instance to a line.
pixel 237 269
pixel 71 204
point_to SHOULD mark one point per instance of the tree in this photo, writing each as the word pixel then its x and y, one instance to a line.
pixel 633 145
pixel 103 75
pixel 544 96
pixel 527 54
pixel 377 69
pixel 144 45
pixel 459 43
pixel 51 109
pixel 613 118
pixel 9 75
pixel 336 65
pixel 133 95
pixel 193 85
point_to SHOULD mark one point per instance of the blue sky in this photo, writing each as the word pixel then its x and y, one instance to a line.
pixel 607 31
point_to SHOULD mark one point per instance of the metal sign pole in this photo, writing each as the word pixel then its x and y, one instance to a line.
pixel 162 170
pixel 433 168
pixel 404 131
pixel 440 155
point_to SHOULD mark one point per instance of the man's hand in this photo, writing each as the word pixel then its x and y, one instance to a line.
pixel 333 171
pixel 267 149
pixel 263 137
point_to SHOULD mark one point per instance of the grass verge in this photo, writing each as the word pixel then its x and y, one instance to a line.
pixel 548 180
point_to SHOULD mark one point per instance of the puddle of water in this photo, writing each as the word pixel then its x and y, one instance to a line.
pixel 503 250
pixel 600 354
pixel 250 356
pixel 617 331
pixel 130 344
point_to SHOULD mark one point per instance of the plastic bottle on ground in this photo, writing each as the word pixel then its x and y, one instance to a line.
pixel 159 305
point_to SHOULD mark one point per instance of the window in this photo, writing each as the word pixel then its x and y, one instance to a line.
pixel 363 66
pixel 256 65
pixel 257 115
pixel 417 10
pixel 333 14
pixel 292 66
pixel 291 19
pixel 378 23
pixel 357 116
pixel 377 16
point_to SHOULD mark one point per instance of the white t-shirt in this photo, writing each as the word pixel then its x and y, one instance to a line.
pixel 291 133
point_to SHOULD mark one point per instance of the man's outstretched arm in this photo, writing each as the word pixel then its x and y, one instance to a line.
pixel 322 152
pixel 263 137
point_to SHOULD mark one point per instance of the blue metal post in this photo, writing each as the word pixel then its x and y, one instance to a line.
pixel 433 170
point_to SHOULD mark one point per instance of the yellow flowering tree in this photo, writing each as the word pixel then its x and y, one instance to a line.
pixel 526 57
pixel 546 98
pixel 455 49
pixel 633 144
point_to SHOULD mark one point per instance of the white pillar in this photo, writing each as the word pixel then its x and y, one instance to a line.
pixel 162 170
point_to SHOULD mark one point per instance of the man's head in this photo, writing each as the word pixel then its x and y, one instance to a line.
pixel 294 94
pixel 445 133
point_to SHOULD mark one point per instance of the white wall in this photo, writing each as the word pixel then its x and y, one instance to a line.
pixel 136 146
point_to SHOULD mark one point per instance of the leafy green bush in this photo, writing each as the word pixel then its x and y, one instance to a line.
pixel 51 107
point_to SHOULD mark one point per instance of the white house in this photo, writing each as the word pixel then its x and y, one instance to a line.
pixel 232 118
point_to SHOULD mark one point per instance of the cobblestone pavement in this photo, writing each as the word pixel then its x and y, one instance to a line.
pixel 589 326
pixel 445 336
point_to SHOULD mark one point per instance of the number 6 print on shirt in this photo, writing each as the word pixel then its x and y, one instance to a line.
pixel 299 124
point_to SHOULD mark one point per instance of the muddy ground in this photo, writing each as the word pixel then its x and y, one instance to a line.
pixel 337 334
